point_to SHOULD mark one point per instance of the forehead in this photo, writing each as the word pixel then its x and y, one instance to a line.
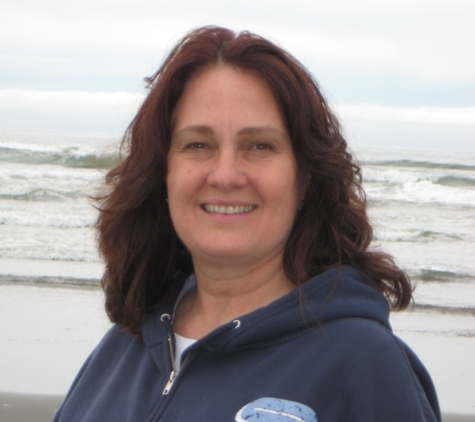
pixel 236 95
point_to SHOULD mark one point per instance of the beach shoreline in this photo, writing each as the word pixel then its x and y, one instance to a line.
pixel 48 332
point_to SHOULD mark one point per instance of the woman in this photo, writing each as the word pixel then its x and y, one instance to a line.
pixel 238 271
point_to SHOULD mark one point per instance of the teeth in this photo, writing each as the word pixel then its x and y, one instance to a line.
pixel 223 209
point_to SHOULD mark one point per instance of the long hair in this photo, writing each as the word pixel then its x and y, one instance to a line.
pixel 145 259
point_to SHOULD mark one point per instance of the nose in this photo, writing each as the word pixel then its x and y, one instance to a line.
pixel 227 171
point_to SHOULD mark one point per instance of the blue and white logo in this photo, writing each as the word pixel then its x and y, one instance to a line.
pixel 268 409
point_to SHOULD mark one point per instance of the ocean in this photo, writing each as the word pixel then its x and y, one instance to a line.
pixel 421 204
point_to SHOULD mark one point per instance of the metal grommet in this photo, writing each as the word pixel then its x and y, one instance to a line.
pixel 238 323
pixel 165 317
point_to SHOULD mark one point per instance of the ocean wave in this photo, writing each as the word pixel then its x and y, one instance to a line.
pixel 25 182
pixel 48 252
pixel 420 191
pixel 442 276
pixel 398 176
pixel 469 311
pixel 52 243
pixel 432 235
pixel 51 281
pixel 44 195
pixel 52 218
pixel 456 181
pixel 414 235
pixel 418 164
pixel 67 157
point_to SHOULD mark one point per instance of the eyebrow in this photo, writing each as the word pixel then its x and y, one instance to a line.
pixel 258 129
pixel 202 129
pixel 207 130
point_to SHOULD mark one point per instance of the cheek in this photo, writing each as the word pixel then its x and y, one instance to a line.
pixel 285 187
pixel 173 193
pixel 177 180
pixel 183 185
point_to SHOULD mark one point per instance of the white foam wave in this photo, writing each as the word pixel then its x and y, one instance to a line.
pixel 67 214
pixel 50 243
pixel 400 175
pixel 424 185
pixel 422 191
pixel 391 234
pixel 392 175
pixel 23 179
pixel 56 141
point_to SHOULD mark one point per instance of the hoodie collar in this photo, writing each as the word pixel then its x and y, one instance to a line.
pixel 337 293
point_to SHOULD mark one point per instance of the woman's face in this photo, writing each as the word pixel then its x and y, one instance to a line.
pixel 233 188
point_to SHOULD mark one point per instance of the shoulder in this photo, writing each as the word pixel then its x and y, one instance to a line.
pixel 109 352
pixel 119 360
pixel 365 342
pixel 115 341
pixel 375 366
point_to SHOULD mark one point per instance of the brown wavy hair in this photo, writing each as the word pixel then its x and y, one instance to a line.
pixel 145 260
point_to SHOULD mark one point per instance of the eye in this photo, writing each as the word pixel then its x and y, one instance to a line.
pixel 263 146
pixel 196 145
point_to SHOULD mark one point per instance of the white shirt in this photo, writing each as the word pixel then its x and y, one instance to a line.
pixel 182 343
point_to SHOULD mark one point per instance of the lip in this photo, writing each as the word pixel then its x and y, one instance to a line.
pixel 232 203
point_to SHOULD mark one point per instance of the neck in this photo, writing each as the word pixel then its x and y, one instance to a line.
pixel 224 294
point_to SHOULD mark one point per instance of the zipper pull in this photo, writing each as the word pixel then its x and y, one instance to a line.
pixel 171 380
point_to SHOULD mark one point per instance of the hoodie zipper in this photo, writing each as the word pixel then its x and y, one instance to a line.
pixel 174 372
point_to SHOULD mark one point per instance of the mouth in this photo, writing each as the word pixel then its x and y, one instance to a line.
pixel 228 209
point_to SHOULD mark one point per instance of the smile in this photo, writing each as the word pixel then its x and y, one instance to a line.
pixel 228 209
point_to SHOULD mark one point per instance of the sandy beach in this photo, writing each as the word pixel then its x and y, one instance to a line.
pixel 37 408
pixel 47 333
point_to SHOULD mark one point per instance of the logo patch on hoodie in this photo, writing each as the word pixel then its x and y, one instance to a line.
pixel 269 409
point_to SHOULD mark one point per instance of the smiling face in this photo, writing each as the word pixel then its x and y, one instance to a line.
pixel 233 188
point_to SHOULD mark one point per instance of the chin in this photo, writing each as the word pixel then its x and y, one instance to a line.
pixel 224 254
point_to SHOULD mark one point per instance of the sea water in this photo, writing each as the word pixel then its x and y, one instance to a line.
pixel 421 204
pixel 46 218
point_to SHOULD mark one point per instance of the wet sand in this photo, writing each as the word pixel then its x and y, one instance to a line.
pixel 28 408
pixel 47 333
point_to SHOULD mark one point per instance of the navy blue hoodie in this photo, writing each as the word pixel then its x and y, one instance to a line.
pixel 325 353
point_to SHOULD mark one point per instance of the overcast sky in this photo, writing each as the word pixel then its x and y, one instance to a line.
pixel 399 73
